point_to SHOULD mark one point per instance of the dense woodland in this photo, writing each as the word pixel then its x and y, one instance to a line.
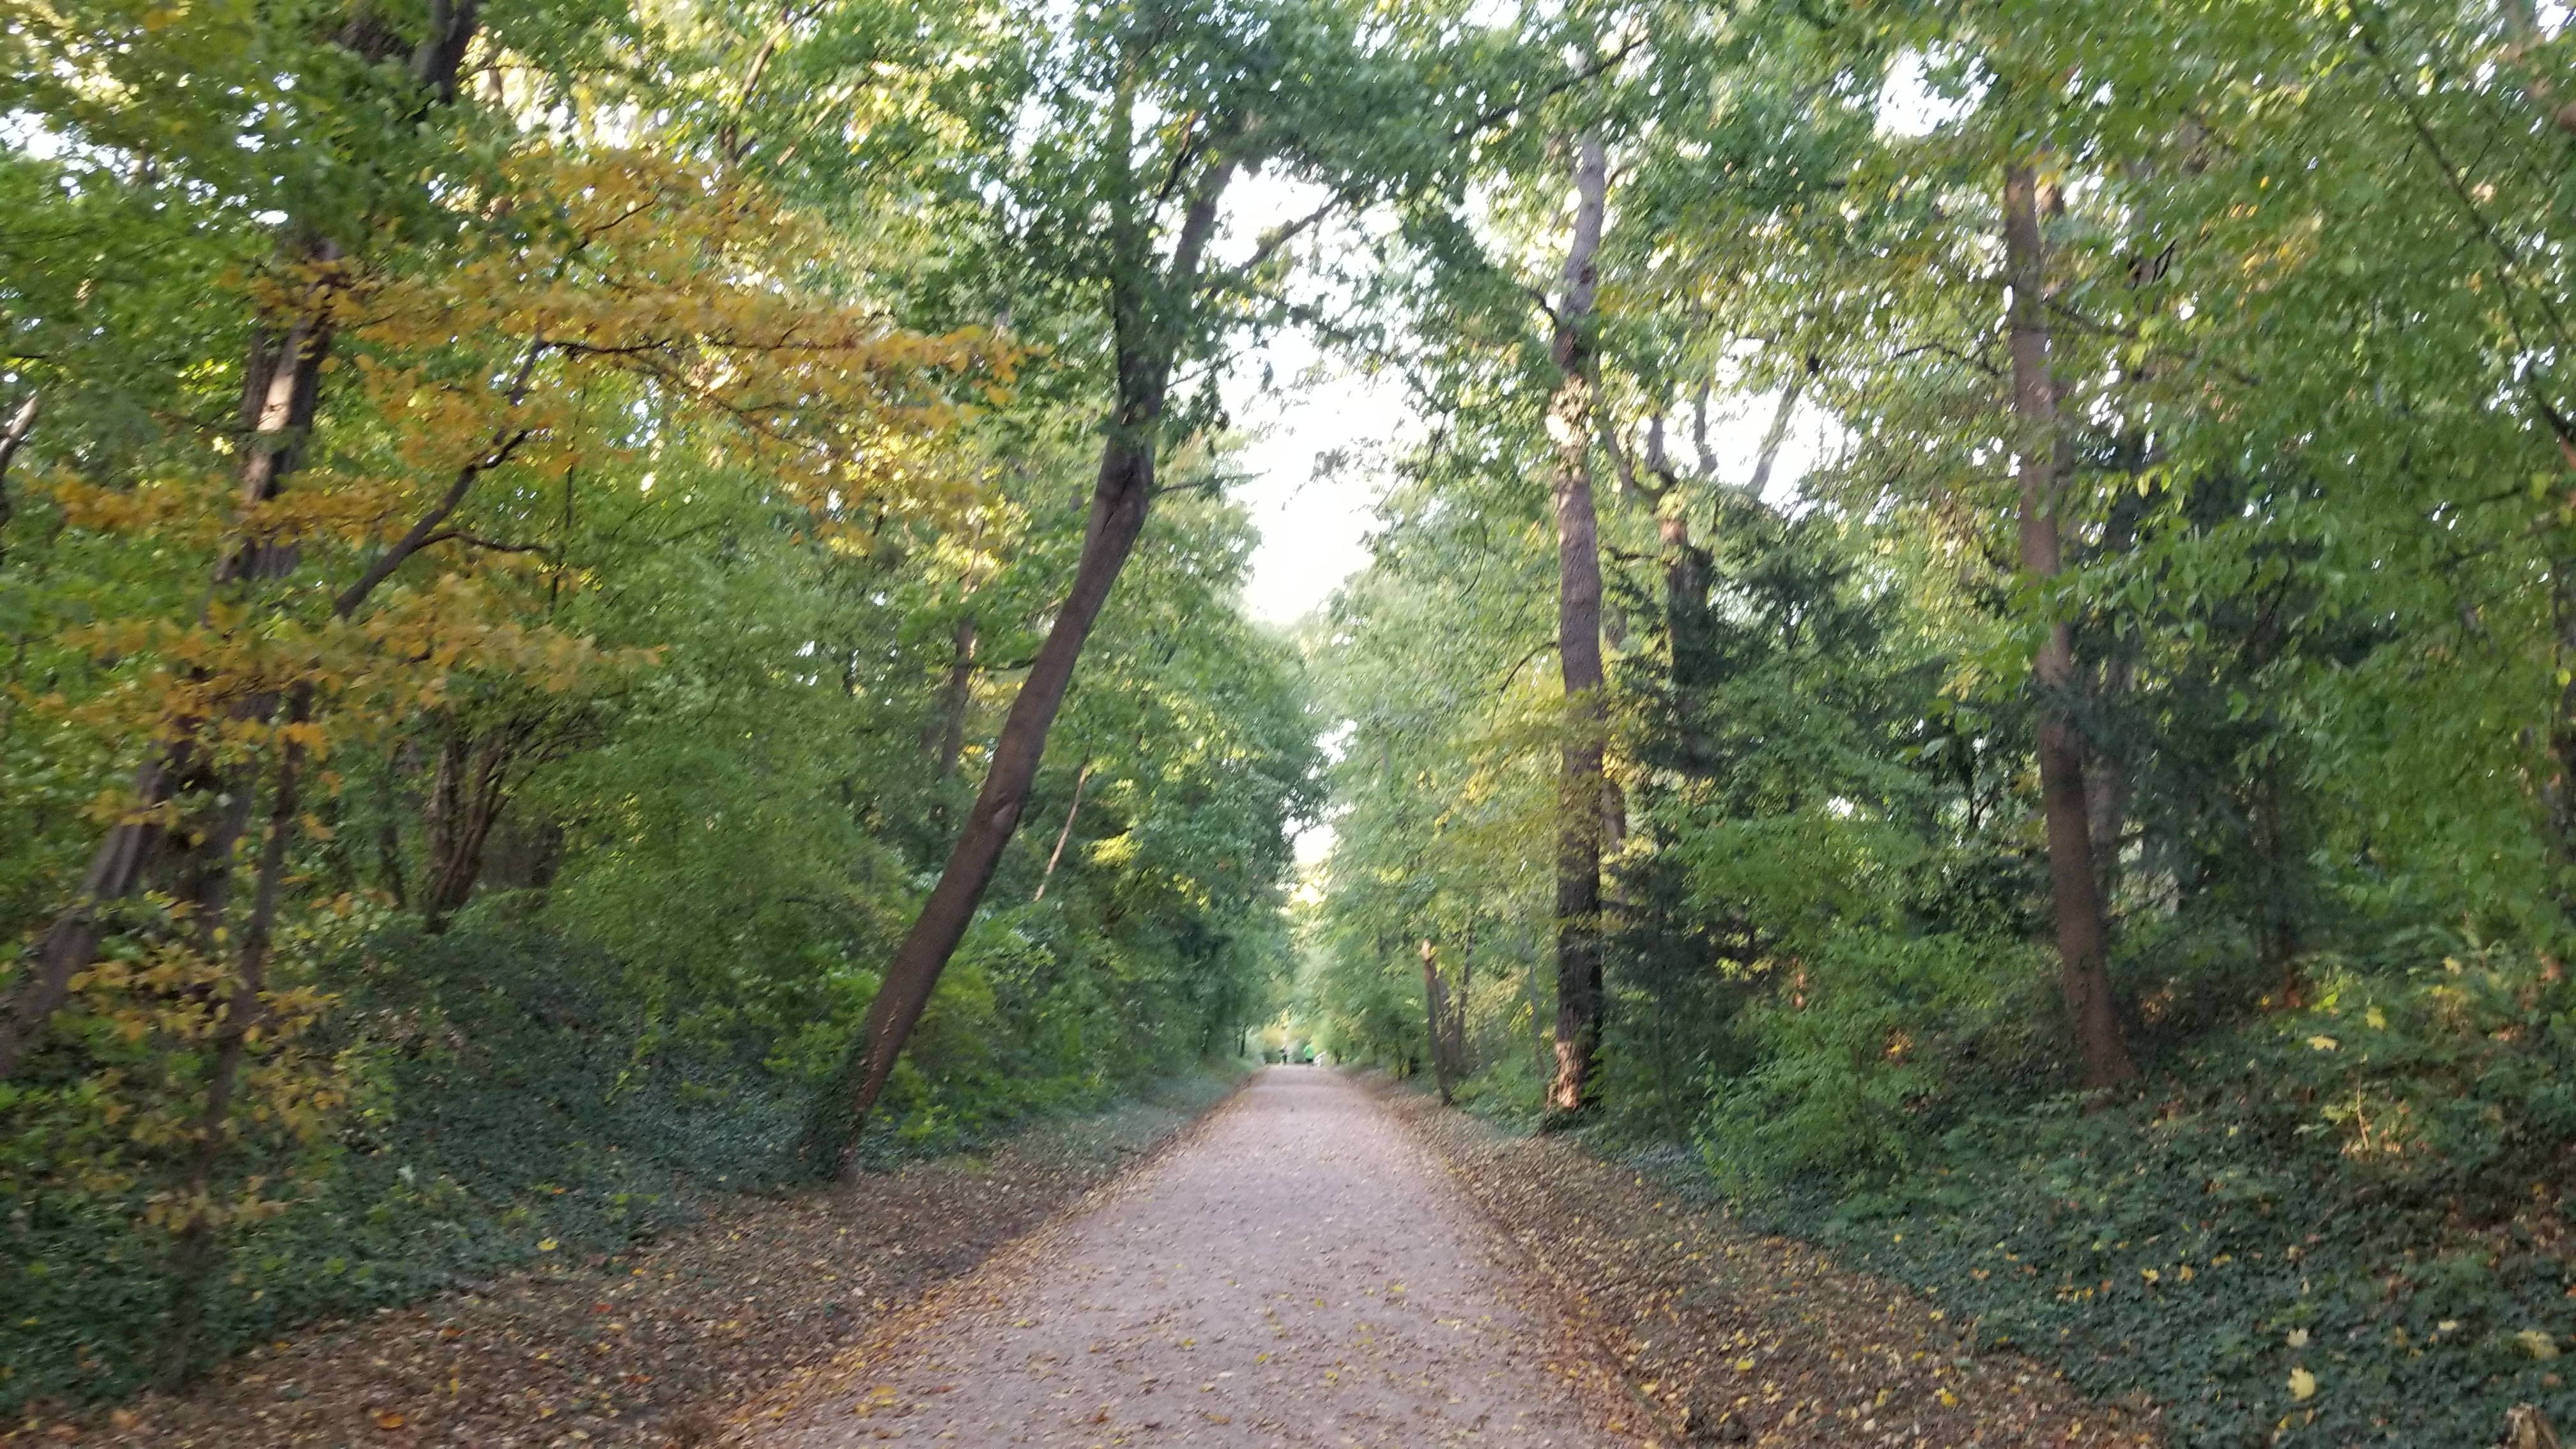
pixel 1973 650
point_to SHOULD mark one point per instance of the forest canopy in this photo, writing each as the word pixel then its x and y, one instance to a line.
pixel 1969 628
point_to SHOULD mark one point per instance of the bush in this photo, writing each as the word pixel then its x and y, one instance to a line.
pixel 2369 1191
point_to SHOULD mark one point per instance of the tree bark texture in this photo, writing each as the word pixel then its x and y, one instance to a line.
pixel 1435 1020
pixel 2045 458
pixel 1581 782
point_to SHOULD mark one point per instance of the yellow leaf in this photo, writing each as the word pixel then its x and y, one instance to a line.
pixel 547 1246
pixel 2303 1385
pixel 388 1419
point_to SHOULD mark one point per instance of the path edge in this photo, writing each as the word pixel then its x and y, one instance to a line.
pixel 814 1386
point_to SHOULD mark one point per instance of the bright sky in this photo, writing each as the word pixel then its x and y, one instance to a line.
pixel 1314 528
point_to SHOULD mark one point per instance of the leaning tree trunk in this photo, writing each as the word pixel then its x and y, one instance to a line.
pixel 1145 320
pixel 1581 783
pixel 279 391
pixel 1118 505
pixel 2045 459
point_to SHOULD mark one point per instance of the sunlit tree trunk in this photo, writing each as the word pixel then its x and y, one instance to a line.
pixel 2045 458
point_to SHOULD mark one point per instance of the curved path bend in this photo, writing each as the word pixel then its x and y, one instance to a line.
pixel 1296 1272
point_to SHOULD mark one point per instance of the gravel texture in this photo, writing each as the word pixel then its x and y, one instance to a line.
pixel 1296 1271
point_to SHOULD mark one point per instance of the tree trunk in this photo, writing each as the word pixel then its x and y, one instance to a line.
pixel 1689 640
pixel 1687 637
pixel 1118 505
pixel 281 388
pixel 1080 779
pixel 1776 434
pixel 944 738
pixel 1147 306
pixel 467 794
pixel 1581 781
pixel 2106 808
pixel 1435 1020
pixel 1458 1063
pixel 2276 918
pixel 20 425
pixel 389 861
pixel 193 1258
pixel 2045 458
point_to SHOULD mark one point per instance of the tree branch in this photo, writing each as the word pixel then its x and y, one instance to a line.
pixel 19 427
pixel 503 447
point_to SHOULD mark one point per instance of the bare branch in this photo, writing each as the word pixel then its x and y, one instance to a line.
pixel 1279 237
pixel 492 544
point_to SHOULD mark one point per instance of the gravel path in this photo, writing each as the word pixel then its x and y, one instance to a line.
pixel 1297 1272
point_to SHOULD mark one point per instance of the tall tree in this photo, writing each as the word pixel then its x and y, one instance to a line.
pixel 2044 456
pixel 281 384
pixel 1582 786
pixel 1151 114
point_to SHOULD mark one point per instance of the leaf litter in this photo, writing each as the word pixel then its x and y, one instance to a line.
pixel 654 1349
pixel 1729 1336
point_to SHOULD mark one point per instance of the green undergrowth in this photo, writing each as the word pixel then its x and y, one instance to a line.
pixel 1505 1092
pixel 513 1109
pixel 2338 1226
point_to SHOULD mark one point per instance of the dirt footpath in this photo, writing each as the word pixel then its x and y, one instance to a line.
pixel 1295 1272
